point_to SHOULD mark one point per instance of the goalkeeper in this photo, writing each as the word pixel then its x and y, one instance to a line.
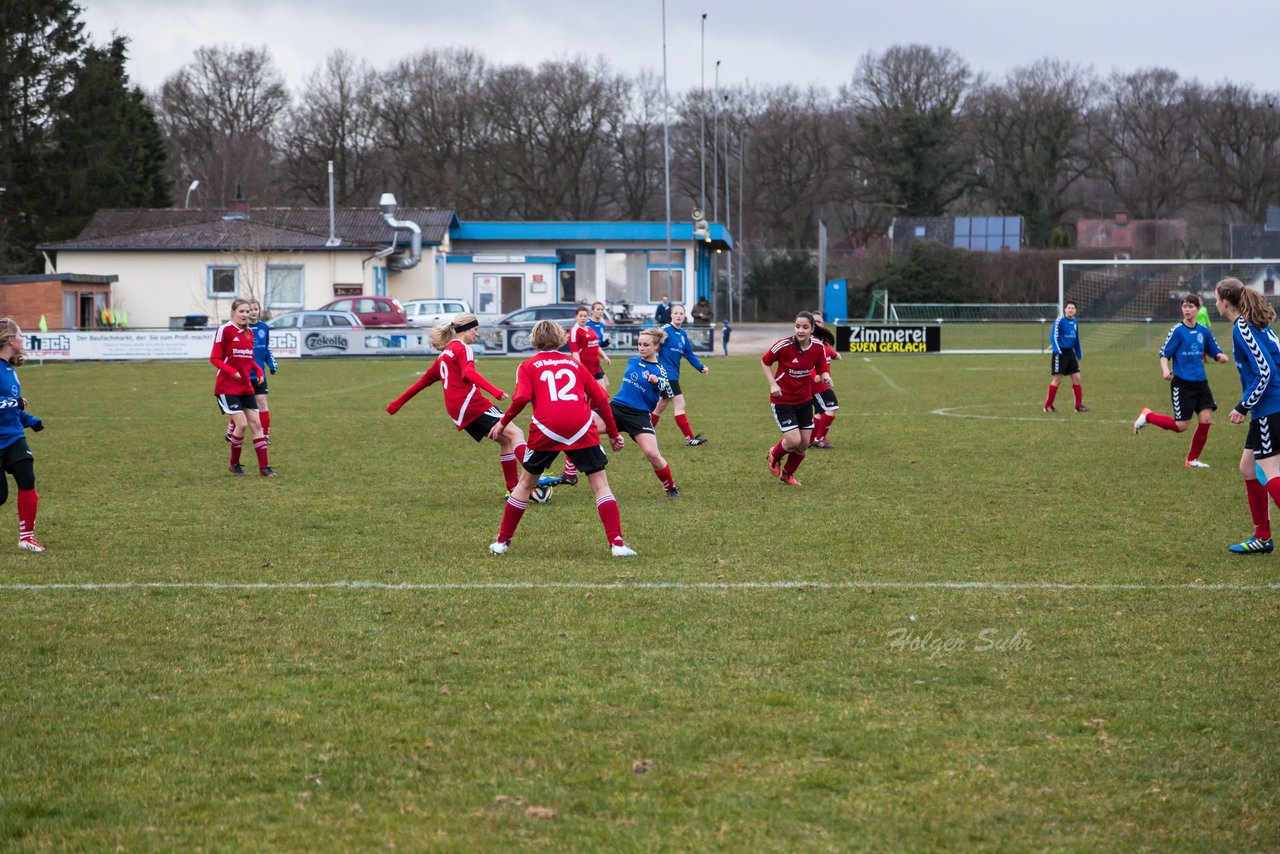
pixel 643 384
pixel 1066 357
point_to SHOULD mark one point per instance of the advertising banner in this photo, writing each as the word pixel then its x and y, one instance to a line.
pixel 870 338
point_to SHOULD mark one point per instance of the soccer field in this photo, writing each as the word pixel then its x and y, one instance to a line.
pixel 975 626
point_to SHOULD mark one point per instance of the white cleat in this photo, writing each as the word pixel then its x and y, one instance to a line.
pixel 499 548
pixel 1141 421
pixel 32 546
pixel 1196 464
pixel 623 550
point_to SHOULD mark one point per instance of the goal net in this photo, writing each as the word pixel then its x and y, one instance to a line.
pixel 1122 300
pixel 972 327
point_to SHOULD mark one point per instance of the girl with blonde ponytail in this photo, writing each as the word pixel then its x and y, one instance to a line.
pixel 455 370
pixel 16 458
pixel 1257 356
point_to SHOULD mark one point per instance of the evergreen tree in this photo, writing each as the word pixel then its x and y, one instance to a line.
pixel 40 43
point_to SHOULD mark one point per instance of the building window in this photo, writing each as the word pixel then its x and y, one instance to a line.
pixel 659 284
pixel 347 290
pixel 223 283
pixel 285 288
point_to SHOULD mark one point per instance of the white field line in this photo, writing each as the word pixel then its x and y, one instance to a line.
pixel 1057 418
pixel 444 586
pixel 888 380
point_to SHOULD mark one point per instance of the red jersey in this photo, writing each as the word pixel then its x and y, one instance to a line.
pixel 794 368
pixel 455 370
pixel 584 341
pixel 563 394
pixel 233 357
pixel 816 385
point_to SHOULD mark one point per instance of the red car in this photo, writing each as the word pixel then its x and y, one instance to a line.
pixel 372 311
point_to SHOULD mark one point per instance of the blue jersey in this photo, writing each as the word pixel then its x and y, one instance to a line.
pixel 597 326
pixel 13 420
pixel 675 348
pixel 262 346
pixel 636 391
pixel 1257 354
pixel 1065 336
pixel 1186 348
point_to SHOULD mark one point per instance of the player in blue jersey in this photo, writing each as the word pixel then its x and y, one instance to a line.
pixel 1256 351
pixel 1182 366
pixel 15 457
pixel 1066 357
pixel 265 361
pixel 673 349
pixel 644 384
pixel 598 326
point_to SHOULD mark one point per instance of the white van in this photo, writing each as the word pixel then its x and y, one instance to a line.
pixel 430 312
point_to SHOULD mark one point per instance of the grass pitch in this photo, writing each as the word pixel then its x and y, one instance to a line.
pixel 975 626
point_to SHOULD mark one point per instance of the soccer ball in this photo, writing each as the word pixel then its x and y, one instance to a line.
pixel 541 493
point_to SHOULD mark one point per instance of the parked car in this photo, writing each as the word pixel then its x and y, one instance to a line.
pixel 523 319
pixel 372 311
pixel 315 320
pixel 430 312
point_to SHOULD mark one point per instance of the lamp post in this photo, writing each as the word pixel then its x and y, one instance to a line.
pixel 715 153
pixel 666 141
pixel 702 103
pixel 195 185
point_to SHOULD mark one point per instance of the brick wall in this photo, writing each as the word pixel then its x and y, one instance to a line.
pixel 25 302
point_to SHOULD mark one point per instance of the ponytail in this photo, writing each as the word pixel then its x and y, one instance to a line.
pixel 1253 306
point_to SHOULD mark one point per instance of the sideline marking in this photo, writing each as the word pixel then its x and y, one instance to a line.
pixel 882 375
pixel 631 585
pixel 950 412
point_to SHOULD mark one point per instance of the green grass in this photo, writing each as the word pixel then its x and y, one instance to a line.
pixel 1133 706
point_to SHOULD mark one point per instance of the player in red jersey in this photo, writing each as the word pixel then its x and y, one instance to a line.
pixel 233 357
pixel 455 370
pixel 788 366
pixel 563 395
pixel 825 405
pixel 584 345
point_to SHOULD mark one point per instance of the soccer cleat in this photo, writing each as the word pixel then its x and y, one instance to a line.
pixel 267 472
pixel 673 493
pixel 790 480
pixel 29 544
pixel 569 479
pixel 1141 420
pixel 821 443
pixel 236 469
pixel 1196 464
pixel 1082 408
pixel 1051 408
pixel 498 547
pixel 622 550
pixel 775 464
pixel 1253 546
pixel 696 440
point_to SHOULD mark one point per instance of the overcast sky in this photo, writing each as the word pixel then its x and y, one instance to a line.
pixel 758 41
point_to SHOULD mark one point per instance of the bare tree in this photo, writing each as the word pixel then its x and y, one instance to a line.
pixel 1238 142
pixel 908 142
pixel 335 120
pixel 221 114
pixel 1142 143
pixel 636 191
pixel 1029 135
pixel 791 148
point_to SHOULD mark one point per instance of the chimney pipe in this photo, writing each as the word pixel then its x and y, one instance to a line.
pixel 387 204
pixel 333 236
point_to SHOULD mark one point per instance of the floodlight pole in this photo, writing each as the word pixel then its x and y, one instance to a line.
pixel 666 142
pixel 702 103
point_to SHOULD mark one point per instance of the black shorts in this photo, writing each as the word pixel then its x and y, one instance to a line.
pixel 598 375
pixel 588 460
pixel 1190 397
pixel 826 400
pixel 1264 433
pixel 1064 363
pixel 259 385
pixel 230 403
pixel 793 416
pixel 481 425
pixel 633 422
pixel 14 453
pixel 675 387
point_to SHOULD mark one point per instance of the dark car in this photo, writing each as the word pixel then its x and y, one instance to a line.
pixel 372 311
pixel 522 320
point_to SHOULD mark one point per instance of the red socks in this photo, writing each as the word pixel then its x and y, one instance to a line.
pixel 794 459
pixel 683 423
pixel 607 507
pixel 1053 392
pixel 665 476
pixel 260 448
pixel 512 513
pixel 28 501
pixel 265 417
pixel 1079 393
pixel 1197 441
pixel 237 443
pixel 1164 422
